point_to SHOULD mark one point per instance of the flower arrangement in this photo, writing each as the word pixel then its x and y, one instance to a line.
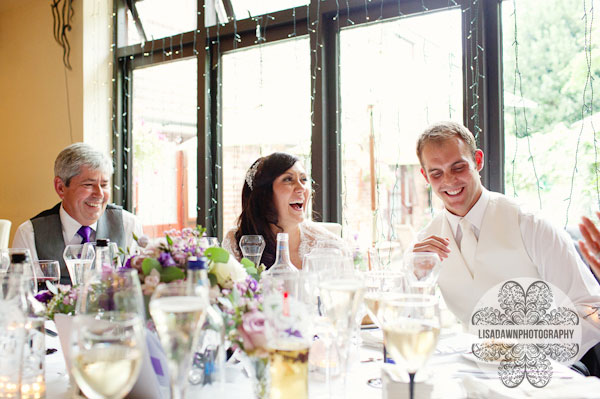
pixel 235 286
pixel 58 299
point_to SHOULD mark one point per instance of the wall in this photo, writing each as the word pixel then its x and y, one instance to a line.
pixel 42 103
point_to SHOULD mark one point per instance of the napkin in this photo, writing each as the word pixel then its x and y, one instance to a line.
pixel 396 386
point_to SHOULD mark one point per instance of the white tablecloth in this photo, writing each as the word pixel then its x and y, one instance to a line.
pixel 451 376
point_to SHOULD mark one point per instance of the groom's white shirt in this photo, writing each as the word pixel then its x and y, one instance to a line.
pixel 511 244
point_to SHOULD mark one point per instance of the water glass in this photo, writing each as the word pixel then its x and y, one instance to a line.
pixel 252 247
pixel 423 270
pixel 177 314
pixel 78 259
pixel 47 271
pixel 12 339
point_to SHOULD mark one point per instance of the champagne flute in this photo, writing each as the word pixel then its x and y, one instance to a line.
pixel 381 284
pixel 47 271
pixel 107 338
pixel 340 297
pixel 423 271
pixel 252 247
pixel 78 259
pixel 411 327
pixel 177 315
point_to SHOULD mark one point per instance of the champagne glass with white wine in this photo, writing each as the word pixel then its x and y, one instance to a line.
pixel 177 315
pixel 107 338
pixel 411 327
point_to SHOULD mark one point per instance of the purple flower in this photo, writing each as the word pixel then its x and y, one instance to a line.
pixel 166 259
pixel 252 284
pixel 44 296
pixel 127 264
pixel 294 333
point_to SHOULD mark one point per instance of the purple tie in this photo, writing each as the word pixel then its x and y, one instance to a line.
pixel 85 232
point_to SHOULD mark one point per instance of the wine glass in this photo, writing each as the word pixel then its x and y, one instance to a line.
pixel 177 314
pixel 252 247
pixel 212 242
pixel 381 284
pixel 107 337
pixel 78 259
pixel 423 271
pixel 340 296
pixel 47 271
pixel 411 327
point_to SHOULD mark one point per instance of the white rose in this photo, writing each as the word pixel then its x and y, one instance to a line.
pixel 229 273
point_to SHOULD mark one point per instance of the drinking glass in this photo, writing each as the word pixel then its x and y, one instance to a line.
pixel 289 335
pixel 107 337
pixel 212 242
pixel 252 247
pixel 177 314
pixel 78 259
pixel 12 336
pixel 47 271
pixel 340 297
pixel 4 260
pixel 28 270
pixel 115 254
pixel 423 270
pixel 411 327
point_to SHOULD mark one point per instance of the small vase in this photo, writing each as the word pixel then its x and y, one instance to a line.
pixel 259 367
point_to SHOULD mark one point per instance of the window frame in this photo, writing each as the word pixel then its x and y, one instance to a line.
pixel 481 85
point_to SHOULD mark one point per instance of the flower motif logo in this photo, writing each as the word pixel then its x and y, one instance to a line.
pixel 525 332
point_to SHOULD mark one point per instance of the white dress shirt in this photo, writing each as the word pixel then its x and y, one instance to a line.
pixel 25 238
pixel 550 248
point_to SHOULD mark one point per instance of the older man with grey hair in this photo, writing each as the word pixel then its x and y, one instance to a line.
pixel 81 180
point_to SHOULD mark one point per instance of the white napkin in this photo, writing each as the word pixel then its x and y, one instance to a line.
pixel 372 338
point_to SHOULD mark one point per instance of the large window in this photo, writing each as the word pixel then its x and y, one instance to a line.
pixel 396 77
pixel 266 108
pixel 346 86
pixel 551 114
pixel 164 146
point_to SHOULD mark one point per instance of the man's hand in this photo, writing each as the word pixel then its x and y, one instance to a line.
pixel 590 248
pixel 435 244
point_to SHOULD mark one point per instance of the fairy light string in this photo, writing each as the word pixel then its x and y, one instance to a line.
pixel 587 109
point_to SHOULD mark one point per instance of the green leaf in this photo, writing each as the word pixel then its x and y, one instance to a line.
pixel 250 268
pixel 171 273
pixel 213 279
pixel 150 263
pixel 169 240
pixel 217 254
pixel 247 263
pixel 135 237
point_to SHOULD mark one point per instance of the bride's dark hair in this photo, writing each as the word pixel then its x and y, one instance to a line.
pixel 258 209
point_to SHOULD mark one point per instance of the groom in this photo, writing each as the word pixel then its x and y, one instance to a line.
pixel 484 238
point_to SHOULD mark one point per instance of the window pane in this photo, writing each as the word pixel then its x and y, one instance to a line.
pixel 162 19
pixel 245 8
pixel 396 78
pixel 266 108
pixel 164 146
pixel 543 96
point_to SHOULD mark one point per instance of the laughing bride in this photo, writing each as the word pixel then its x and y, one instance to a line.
pixel 274 200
